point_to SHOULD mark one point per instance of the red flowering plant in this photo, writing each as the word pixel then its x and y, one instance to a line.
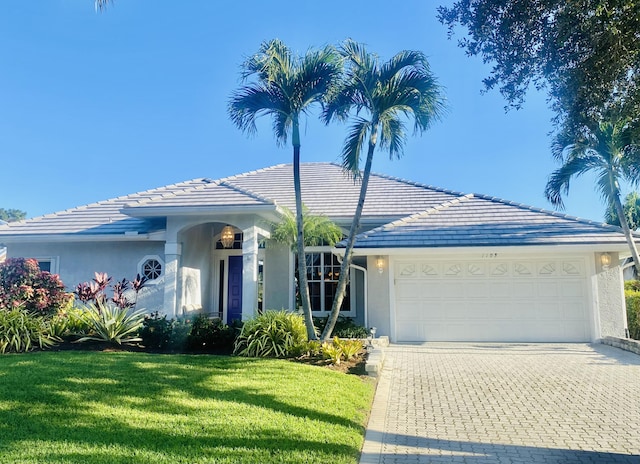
pixel 23 284
pixel 125 292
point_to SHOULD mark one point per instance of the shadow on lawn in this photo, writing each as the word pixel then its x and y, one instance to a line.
pixel 42 399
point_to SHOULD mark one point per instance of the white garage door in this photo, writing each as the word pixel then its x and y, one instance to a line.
pixel 491 300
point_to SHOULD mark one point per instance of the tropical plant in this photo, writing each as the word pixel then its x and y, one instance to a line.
pixel 23 284
pixel 318 230
pixel 277 334
pixel 125 292
pixel 631 210
pixel 349 347
pixel 69 323
pixel 285 88
pixel 110 323
pixel 22 331
pixel 332 352
pixel 610 150
pixel 402 87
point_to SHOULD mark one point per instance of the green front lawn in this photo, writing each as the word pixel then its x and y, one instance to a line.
pixel 120 407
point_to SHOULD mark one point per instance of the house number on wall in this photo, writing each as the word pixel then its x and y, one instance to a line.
pixel 489 255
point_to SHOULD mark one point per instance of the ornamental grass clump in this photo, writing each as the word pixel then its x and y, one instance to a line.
pixel 22 331
pixel 110 323
pixel 275 334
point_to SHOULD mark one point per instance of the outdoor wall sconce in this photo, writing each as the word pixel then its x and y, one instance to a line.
pixel 227 236
pixel 380 264
pixel 605 260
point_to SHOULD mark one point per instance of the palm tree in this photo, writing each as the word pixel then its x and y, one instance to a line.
pixel 318 230
pixel 385 92
pixel 285 88
pixel 609 149
pixel 101 4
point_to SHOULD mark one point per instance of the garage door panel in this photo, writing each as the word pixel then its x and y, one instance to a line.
pixel 519 300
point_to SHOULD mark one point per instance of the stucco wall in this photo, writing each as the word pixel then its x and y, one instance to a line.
pixel 195 292
pixel 276 277
pixel 77 262
pixel 378 297
pixel 610 299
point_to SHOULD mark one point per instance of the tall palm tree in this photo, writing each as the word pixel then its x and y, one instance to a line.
pixel 285 87
pixel 611 150
pixel 378 96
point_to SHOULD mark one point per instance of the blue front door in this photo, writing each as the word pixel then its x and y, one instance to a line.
pixel 234 289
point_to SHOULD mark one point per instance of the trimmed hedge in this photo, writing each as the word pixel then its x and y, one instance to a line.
pixel 632 297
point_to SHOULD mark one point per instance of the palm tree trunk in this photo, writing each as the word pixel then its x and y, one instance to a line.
pixel 348 253
pixel 627 231
pixel 303 286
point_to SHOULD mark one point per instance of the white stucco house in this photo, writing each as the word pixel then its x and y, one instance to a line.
pixel 430 264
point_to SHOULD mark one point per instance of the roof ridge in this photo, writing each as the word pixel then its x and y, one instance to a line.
pixel 418 184
pixel 246 192
pixel 536 209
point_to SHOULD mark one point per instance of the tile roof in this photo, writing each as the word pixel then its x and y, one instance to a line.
pixel 414 214
pixel 478 220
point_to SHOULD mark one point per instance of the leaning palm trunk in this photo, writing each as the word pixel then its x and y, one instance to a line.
pixel 348 252
pixel 627 231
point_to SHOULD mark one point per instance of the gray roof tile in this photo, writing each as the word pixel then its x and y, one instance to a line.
pixel 476 220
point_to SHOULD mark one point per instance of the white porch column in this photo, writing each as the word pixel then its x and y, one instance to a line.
pixel 249 272
pixel 172 253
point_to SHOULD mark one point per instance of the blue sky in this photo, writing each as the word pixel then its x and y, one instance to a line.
pixel 99 105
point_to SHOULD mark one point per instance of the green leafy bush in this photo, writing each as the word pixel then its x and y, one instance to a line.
pixel 278 334
pixel 332 352
pixel 210 335
pixel 632 299
pixel 22 331
pixel 24 285
pixel 345 327
pixel 110 323
pixel 69 323
pixel 156 330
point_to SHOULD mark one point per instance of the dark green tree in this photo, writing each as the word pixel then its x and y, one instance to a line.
pixel 585 53
pixel 378 97
pixel 12 215
pixel 608 149
pixel 631 208
pixel 285 88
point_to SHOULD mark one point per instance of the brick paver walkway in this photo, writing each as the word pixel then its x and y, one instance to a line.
pixel 506 403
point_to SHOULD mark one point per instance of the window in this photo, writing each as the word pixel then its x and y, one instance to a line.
pixel 48 264
pixel 151 267
pixel 323 272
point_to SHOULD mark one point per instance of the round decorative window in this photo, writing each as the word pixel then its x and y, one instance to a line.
pixel 152 269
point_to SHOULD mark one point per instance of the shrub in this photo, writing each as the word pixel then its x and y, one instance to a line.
pixel 209 335
pixel 632 299
pixel 180 330
pixel 24 285
pixel 349 348
pixel 277 334
pixel 332 351
pixel 125 292
pixel 22 331
pixel 110 323
pixel 69 323
pixel 345 328
pixel 156 330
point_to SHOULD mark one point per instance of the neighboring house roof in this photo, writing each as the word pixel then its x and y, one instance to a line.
pixel 478 220
pixel 415 215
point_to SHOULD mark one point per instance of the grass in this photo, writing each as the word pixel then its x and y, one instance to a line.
pixel 122 407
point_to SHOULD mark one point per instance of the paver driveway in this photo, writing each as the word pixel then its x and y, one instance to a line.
pixel 506 403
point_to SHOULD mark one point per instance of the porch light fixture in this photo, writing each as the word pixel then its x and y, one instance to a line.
pixel 605 260
pixel 227 236
pixel 380 264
